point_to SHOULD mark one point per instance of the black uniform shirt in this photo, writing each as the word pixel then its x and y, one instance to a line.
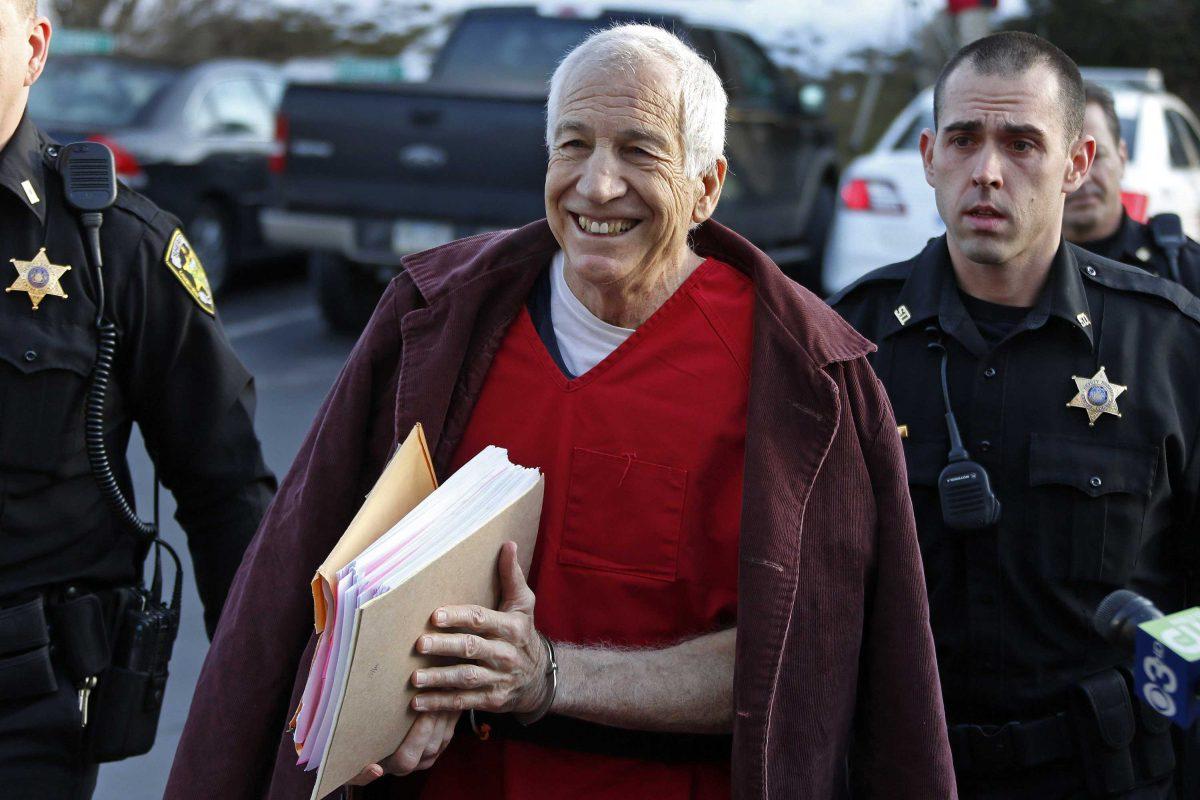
pixel 1133 243
pixel 175 375
pixel 1085 509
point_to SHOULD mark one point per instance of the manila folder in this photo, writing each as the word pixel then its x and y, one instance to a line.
pixel 375 713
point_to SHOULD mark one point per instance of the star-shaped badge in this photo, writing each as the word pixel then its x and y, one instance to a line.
pixel 38 278
pixel 1097 395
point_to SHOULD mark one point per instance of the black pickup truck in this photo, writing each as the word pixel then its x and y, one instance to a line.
pixel 368 173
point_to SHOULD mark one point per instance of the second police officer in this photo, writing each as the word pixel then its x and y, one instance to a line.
pixel 1096 220
pixel 69 558
pixel 1073 381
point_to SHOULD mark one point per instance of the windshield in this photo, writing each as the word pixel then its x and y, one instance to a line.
pixel 517 53
pixel 96 92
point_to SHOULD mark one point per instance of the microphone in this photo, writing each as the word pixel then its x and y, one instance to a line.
pixel 1166 662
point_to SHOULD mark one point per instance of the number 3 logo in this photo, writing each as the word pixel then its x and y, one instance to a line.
pixel 1162 684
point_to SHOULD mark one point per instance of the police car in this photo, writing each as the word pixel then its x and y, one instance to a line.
pixel 886 210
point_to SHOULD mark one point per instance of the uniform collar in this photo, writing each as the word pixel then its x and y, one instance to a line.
pixel 931 291
pixel 21 168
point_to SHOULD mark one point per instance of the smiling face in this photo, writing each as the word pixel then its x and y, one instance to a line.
pixel 1000 164
pixel 618 198
pixel 1094 210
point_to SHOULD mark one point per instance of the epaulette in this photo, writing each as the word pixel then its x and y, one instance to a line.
pixel 1124 278
pixel 892 273
pixel 142 208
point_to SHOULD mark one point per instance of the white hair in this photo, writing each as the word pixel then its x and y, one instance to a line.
pixel 702 99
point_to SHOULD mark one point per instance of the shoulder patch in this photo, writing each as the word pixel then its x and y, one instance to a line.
pixel 185 264
pixel 1124 278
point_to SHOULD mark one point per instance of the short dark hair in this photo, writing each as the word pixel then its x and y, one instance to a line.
pixel 1096 94
pixel 1013 53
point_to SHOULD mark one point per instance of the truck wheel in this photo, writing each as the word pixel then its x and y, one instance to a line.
pixel 345 292
pixel 210 230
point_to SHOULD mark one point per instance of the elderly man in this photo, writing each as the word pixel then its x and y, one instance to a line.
pixel 1095 219
pixel 726 545
pixel 1072 382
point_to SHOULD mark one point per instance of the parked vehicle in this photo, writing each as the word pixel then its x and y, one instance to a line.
pixel 367 174
pixel 886 210
pixel 194 140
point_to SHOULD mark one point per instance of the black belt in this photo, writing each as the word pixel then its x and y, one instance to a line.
pixel 65 625
pixel 988 750
pixel 587 737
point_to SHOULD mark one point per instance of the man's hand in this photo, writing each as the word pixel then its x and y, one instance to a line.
pixel 426 740
pixel 505 660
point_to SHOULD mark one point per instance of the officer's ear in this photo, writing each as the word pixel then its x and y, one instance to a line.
pixel 925 144
pixel 1123 154
pixel 39 47
pixel 1081 155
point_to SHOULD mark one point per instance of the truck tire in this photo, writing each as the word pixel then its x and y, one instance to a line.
pixel 345 292
pixel 212 234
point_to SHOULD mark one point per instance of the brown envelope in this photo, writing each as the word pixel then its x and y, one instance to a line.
pixel 406 481
pixel 375 715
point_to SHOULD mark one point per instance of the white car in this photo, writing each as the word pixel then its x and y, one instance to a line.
pixel 886 211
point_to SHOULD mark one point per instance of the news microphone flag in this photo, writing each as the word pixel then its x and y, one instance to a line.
pixel 1166 665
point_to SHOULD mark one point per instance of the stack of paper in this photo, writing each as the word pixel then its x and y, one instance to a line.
pixel 371 610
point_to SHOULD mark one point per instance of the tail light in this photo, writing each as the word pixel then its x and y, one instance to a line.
pixel 871 194
pixel 277 163
pixel 1136 205
pixel 127 166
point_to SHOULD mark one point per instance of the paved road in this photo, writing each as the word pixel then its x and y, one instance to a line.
pixel 278 334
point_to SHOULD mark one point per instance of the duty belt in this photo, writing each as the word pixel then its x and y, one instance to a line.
pixel 989 750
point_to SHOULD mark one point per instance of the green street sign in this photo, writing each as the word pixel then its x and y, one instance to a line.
pixel 68 41
pixel 369 70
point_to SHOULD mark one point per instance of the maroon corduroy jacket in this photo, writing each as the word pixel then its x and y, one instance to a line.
pixel 835 660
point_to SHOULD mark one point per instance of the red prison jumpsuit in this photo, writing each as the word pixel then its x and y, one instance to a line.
pixel 643 458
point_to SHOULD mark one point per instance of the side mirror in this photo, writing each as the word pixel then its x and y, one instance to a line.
pixel 812 99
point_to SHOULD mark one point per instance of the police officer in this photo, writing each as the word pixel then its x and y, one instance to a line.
pixel 174 374
pixel 1073 381
pixel 1096 220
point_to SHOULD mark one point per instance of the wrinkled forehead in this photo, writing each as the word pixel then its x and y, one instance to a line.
pixel 1029 98
pixel 646 91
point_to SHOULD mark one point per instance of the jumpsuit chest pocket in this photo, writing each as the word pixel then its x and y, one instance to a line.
pixel 45 366
pixel 1096 493
pixel 623 515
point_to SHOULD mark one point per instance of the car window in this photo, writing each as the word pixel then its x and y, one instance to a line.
pixel 750 78
pixel 911 138
pixel 237 108
pixel 98 92
pixel 1175 146
pixel 1188 134
pixel 512 53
